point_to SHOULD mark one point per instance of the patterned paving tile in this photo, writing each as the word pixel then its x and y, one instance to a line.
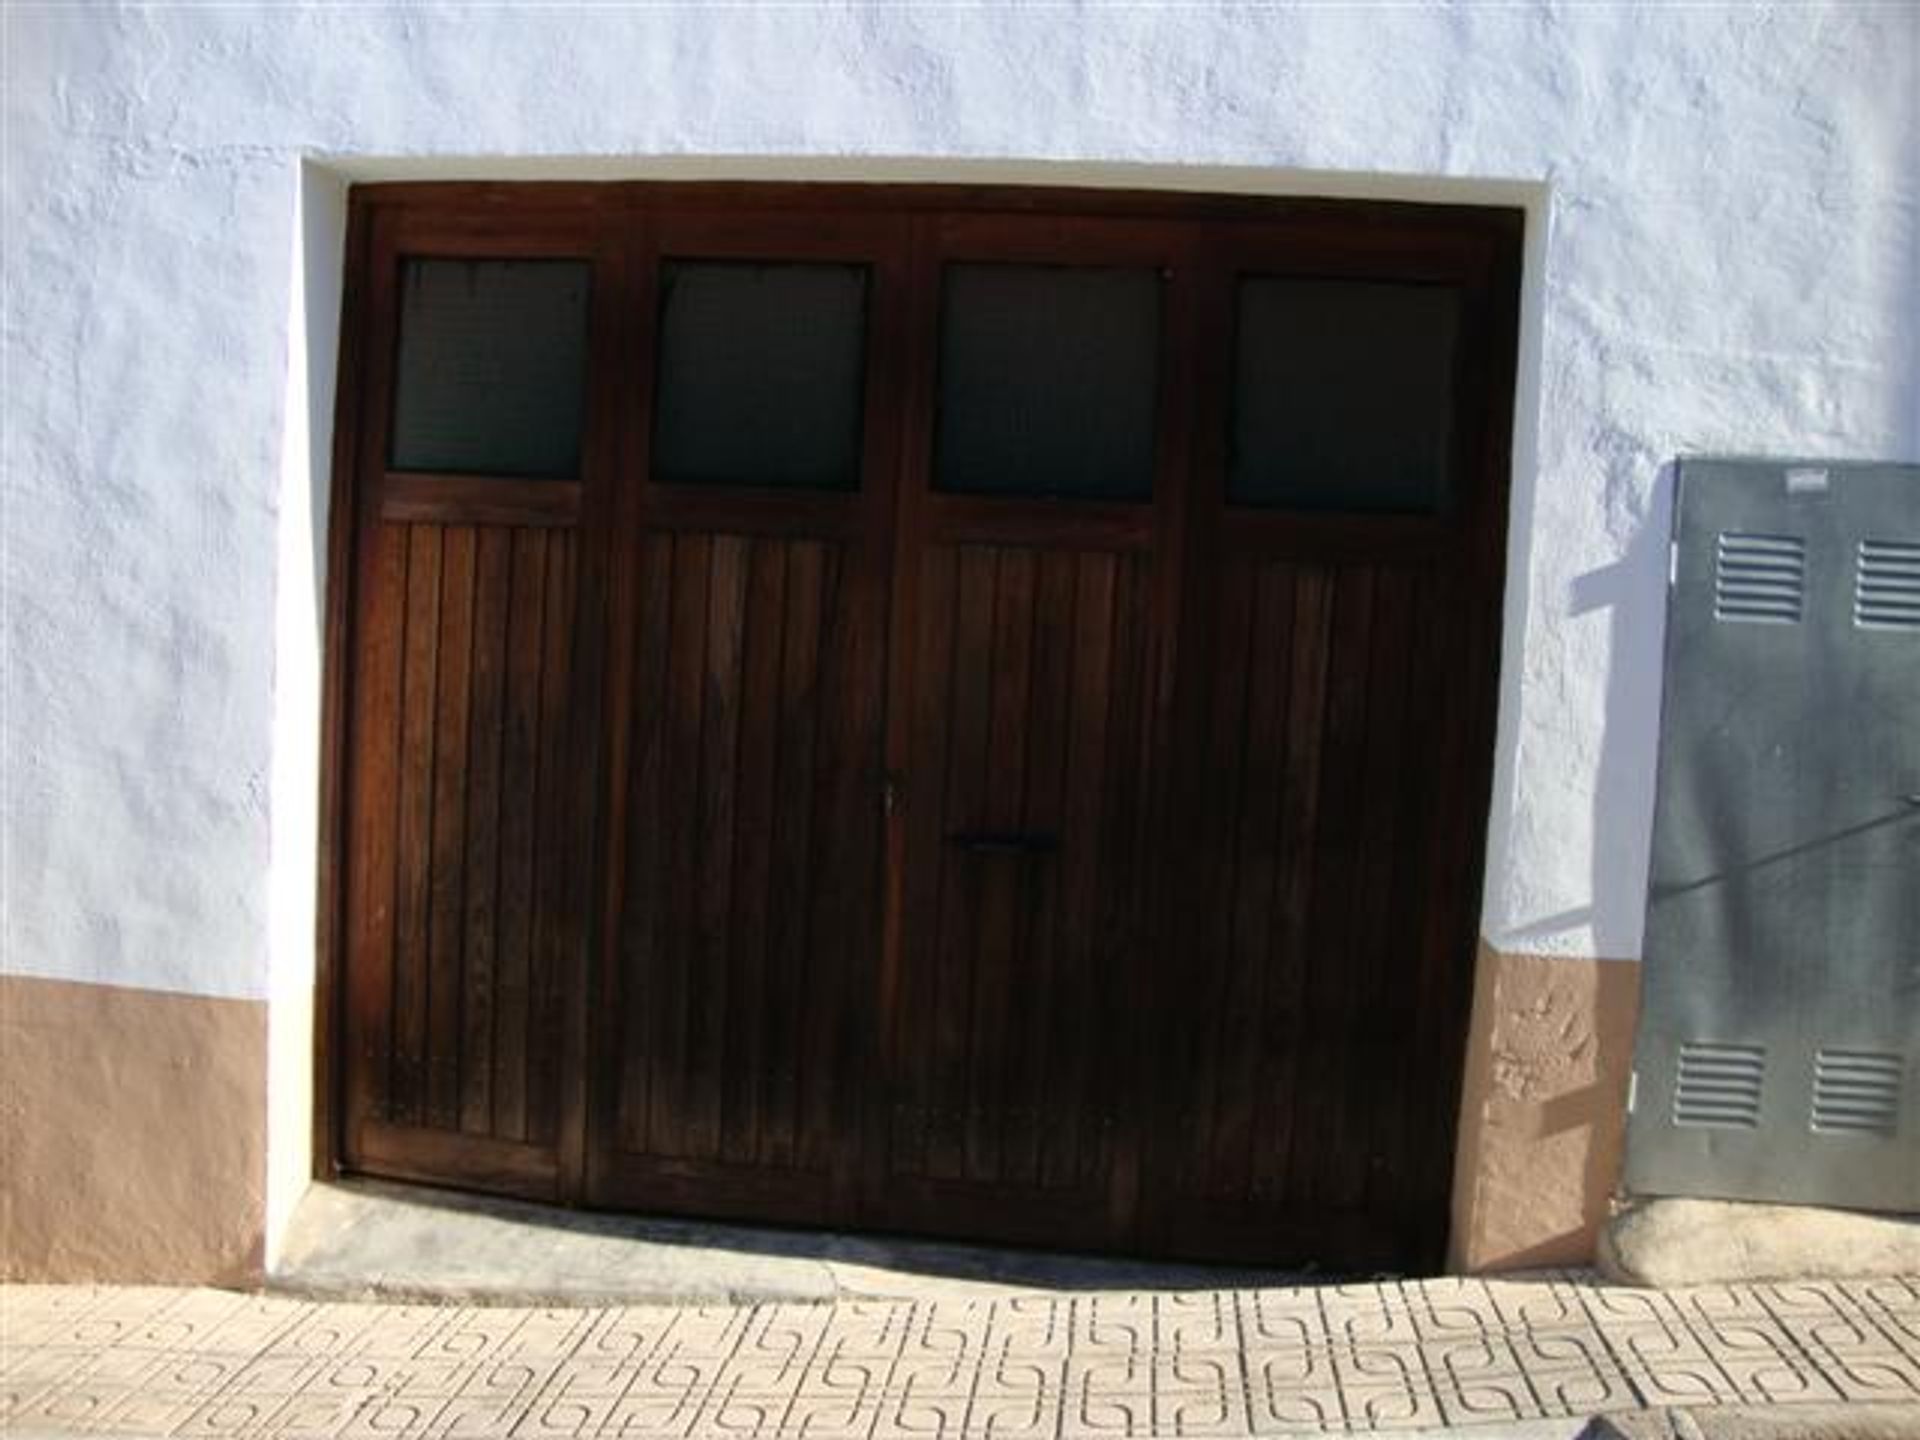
pixel 1248 1362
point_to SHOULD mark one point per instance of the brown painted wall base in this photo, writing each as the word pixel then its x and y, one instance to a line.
pixel 133 1124
pixel 1543 1109
pixel 133 1134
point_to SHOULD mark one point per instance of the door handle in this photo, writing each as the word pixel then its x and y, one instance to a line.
pixel 1004 842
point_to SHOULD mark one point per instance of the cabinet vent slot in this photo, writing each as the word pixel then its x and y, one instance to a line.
pixel 1856 1092
pixel 1719 1085
pixel 1886 585
pixel 1759 578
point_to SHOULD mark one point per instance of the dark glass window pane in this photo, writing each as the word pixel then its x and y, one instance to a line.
pixel 492 366
pixel 1048 380
pixel 762 374
pixel 1342 394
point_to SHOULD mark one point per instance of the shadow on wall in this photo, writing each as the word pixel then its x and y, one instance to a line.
pixel 1633 593
pixel 323 254
pixel 1552 1045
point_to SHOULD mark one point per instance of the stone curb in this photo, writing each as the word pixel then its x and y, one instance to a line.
pixel 1669 1242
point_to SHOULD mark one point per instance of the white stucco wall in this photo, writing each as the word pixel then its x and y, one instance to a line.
pixel 1725 257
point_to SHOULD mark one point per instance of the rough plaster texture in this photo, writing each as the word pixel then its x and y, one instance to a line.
pixel 1724 255
pixel 132 1140
pixel 1729 261
pixel 1673 1242
pixel 1542 1109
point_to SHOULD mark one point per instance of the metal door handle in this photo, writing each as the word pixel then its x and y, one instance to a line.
pixel 1004 842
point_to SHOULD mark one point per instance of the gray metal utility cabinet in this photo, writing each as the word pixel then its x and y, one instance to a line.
pixel 1779 1048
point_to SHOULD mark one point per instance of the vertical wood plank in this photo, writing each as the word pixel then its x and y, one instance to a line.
pixel 373 809
pixel 831 998
pixel 1005 880
pixel 1286 1022
pixel 414 900
pixel 452 689
pixel 1226 751
pixel 708 952
pixel 928 727
pixel 1374 1009
pixel 1065 1140
pixel 1118 1088
pixel 686 696
pixel 745 1076
pixel 518 768
pixel 1426 685
pixel 642 932
pixel 792 859
pixel 560 847
pixel 492 578
pixel 1250 960
pixel 971 700
pixel 1039 990
pixel 1323 1106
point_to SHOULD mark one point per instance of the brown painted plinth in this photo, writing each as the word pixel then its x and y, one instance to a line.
pixel 133 1134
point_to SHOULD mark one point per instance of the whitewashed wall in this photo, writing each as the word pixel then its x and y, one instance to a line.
pixel 1726 257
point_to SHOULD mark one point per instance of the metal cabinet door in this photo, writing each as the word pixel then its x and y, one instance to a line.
pixel 1779 1048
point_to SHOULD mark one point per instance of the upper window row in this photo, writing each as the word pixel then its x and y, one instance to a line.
pixel 1048 383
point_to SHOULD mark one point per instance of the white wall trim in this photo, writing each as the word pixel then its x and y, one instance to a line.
pixel 315 283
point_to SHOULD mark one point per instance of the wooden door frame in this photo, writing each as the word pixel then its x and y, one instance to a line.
pixel 622 209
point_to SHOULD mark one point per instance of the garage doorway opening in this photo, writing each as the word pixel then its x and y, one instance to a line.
pixel 958 711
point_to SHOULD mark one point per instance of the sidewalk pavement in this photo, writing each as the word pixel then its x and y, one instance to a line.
pixel 1536 1357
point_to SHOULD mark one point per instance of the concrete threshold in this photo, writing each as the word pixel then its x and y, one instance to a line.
pixel 371 1240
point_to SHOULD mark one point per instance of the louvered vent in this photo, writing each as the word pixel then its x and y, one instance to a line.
pixel 1760 578
pixel 1856 1092
pixel 1886 585
pixel 1719 1085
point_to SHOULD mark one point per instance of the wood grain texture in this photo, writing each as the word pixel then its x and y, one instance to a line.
pixel 748 887
pixel 452 988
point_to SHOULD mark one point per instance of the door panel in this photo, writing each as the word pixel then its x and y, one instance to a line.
pixel 463 816
pixel 1030 606
pixel 1319 846
pixel 459 809
pixel 745 795
pixel 1017 944
pixel 751 839
pixel 1335 727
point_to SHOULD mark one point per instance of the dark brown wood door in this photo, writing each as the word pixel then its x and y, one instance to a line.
pixel 469 719
pixel 1030 612
pixel 1336 732
pixel 955 713
pixel 739 969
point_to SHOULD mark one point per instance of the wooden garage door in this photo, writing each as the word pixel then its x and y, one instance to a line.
pixel 738 974
pixel 964 714
pixel 480 450
pixel 1030 604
